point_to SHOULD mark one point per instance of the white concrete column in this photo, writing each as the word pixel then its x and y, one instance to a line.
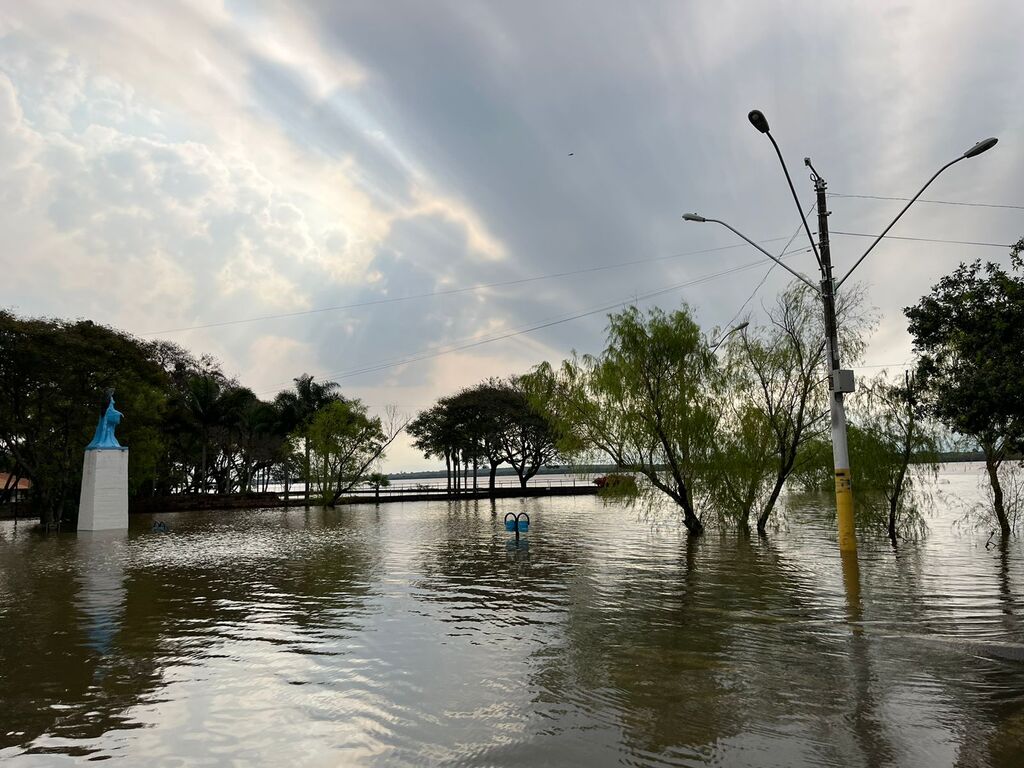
pixel 103 505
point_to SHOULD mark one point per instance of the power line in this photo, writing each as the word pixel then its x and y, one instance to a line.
pixel 393 362
pixel 524 280
pixel 884 365
pixel 452 291
pixel 767 273
pixel 922 239
pixel 416 358
pixel 936 202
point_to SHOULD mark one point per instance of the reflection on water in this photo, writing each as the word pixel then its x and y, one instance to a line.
pixel 421 634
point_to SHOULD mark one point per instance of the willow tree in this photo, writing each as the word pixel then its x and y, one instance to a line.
pixel 778 376
pixel 647 403
pixel 889 432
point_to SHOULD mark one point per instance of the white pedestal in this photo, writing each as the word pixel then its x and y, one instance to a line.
pixel 103 505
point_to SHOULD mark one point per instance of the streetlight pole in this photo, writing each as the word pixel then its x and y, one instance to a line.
pixel 840 381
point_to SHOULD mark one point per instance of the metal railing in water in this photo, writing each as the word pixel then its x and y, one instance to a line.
pixel 442 489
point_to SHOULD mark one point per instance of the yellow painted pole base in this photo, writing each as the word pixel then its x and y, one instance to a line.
pixel 844 511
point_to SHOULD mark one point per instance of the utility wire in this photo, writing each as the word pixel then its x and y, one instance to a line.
pixel 452 291
pixel 743 267
pixel 935 202
pixel 921 239
pixel 393 362
pixel 520 281
pixel 769 271
pixel 884 365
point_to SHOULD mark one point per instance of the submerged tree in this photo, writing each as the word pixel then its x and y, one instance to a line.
pixel 779 398
pixel 301 405
pixel 648 403
pixel 345 442
pixel 435 433
pixel 968 334
pixel 52 376
pixel 894 447
pixel 494 421
pixel 526 436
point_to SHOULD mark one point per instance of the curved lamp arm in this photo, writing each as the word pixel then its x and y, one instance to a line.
pixel 729 333
pixel 796 199
pixel 977 149
pixel 760 122
pixel 802 278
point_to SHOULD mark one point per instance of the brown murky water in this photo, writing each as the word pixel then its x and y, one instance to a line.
pixel 418 634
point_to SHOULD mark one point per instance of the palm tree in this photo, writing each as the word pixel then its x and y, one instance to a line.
pixel 301 405
pixel 201 399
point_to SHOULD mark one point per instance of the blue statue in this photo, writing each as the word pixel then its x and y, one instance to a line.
pixel 109 419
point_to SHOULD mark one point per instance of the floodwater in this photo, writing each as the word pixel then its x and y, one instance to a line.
pixel 419 634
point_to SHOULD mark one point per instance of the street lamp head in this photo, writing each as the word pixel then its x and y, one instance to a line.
pixel 758 120
pixel 693 217
pixel 743 325
pixel 982 146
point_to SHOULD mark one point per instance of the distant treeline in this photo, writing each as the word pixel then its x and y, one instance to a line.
pixel 943 457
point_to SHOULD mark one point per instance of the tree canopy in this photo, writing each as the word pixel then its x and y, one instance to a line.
pixel 494 421
pixel 190 428
pixel 648 402
pixel 967 333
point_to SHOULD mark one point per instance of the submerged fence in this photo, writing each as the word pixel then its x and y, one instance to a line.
pixel 410 489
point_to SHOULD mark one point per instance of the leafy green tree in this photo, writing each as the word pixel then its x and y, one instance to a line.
pixel 344 443
pixel 968 335
pixel 52 378
pixel 483 412
pixel 744 458
pixel 301 406
pixel 433 433
pixel 377 480
pixel 895 448
pixel 204 406
pixel 648 402
pixel 526 436
pixel 778 396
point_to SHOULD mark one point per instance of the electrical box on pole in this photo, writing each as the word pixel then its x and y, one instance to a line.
pixel 842 381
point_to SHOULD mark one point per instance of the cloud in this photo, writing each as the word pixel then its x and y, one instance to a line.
pixel 165 165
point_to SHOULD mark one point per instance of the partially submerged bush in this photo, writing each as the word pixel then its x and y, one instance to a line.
pixel 615 485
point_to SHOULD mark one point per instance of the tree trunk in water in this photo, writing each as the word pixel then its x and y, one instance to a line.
pixel 997 494
pixel 306 494
pixel 448 471
pixel 287 487
pixel 892 519
pixel 744 523
pixel 490 483
pixel 693 524
pixel 203 469
pixel 894 502
pixel 769 505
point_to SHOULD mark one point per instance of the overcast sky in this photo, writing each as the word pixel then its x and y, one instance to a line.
pixel 166 165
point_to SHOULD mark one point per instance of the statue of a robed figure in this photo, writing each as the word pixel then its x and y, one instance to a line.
pixel 103 504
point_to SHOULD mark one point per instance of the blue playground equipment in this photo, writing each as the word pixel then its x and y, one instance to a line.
pixel 518 522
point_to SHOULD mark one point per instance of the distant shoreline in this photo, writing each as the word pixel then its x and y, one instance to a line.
pixel 947 457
